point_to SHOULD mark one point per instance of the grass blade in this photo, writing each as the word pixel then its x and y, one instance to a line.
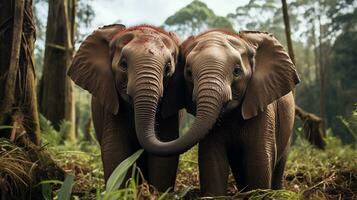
pixel 118 175
pixel 46 191
pixel 5 127
pixel 66 188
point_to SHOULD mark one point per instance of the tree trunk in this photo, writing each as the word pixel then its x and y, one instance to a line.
pixel 322 74
pixel 57 90
pixel 312 124
pixel 27 163
pixel 17 74
pixel 287 30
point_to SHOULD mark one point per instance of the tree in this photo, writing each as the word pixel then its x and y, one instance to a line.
pixel 17 76
pixel 194 18
pixel 325 21
pixel 84 17
pixel 342 92
pixel 56 89
pixel 312 124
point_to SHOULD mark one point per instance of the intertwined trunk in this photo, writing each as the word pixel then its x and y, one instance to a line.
pixel 209 105
pixel 18 103
pixel 57 90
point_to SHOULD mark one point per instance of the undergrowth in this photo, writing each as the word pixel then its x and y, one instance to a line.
pixel 310 173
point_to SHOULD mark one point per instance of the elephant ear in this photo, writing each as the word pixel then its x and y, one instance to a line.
pixel 91 67
pixel 274 74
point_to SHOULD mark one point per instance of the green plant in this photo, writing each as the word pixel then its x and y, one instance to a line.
pixel 5 127
pixel 66 188
pixel 350 123
pixel 64 192
pixel 49 134
pixel 117 177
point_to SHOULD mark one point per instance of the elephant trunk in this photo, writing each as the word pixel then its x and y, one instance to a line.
pixel 209 104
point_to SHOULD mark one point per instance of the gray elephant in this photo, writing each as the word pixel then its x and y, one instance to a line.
pixel 129 72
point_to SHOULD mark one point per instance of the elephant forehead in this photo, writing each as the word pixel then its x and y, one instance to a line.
pixel 147 46
pixel 212 40
pixel 221 39
pixel 149 38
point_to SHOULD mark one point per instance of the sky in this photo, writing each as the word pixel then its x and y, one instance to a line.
pixel 133 12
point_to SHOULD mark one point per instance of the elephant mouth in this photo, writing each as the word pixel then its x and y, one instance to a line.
pixel 226 110
pixel 127 101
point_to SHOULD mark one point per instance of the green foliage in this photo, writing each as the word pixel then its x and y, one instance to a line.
pixel 5 127
pixel 270 194
pixel 83 115
pixel 46 191
pixel 64 193
pixel 117 177
pixel 342 92
pixel 194 18
pixel 321 174
pixel 351 123
pixel 310 173
pixel 49 133
pixel 66 188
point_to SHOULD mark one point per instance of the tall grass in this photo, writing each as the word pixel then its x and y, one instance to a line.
pixel 350 123
pixel 310 173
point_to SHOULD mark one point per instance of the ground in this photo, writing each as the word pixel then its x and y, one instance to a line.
pixel 310 174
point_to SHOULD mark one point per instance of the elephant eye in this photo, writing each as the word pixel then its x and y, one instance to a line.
pixel 123 64
pixel 167 68
pixel 237 71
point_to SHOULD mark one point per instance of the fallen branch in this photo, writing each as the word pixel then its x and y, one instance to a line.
pixel 312 126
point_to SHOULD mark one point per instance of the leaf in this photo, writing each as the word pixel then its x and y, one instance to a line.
pixel 66 188
pixel 50 182
pixel 118 175
pixel 184 192
pixel 46 191
pixel 5 127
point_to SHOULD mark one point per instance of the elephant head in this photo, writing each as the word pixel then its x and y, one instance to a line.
pixel 226 71
pixel 133 65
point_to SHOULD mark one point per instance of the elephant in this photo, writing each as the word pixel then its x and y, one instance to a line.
pixel 239 86
pixel 130 74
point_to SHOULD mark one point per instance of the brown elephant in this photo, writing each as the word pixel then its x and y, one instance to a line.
pixel 129 72
pixel 244 81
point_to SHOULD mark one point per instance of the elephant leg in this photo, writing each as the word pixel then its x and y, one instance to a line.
pixel 250 171
pixel 286 116
pixel 237 165
pixel 98 117
pixel 259 145
pixel 213 165
pixel 117 143
pixel 278 174
pixel 257 176
pixel 162 170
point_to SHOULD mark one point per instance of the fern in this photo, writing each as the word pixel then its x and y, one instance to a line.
pixel 350 123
